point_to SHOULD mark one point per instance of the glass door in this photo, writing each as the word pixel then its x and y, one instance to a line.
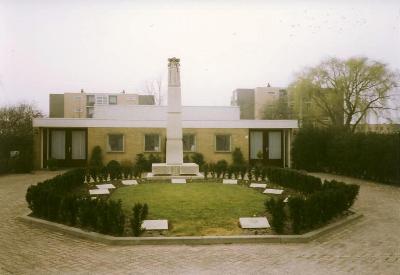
pixel 78 145
pixel 265 146
pixel 68 146
pixel 274 148
pixel 57 145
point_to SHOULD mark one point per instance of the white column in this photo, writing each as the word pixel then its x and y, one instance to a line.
pixel 174 119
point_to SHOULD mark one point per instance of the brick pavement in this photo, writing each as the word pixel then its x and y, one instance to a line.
pixel 369 246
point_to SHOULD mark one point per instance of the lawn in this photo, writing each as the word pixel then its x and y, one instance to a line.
pixel 195 208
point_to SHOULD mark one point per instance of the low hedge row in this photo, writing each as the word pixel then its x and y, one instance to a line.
pixel 294 179
pixel 318 204
pixel 55 200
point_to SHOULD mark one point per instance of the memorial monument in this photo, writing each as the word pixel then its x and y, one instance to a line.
pixel 174 166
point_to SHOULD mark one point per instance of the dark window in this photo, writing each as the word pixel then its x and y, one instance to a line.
pixel 115 143
pixel 189 142
pixel 223 143
pixel 90 100
pixel 152 143
pixel 112 99
pixel 89 112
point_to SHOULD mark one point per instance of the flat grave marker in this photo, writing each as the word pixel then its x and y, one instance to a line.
pixel 254 223
pixel 105 186
pixel 155 224
pixel 129 182
pixel 102 191
pixel 273 191
pixel 178 181
pixel 258 185
pixel 229 181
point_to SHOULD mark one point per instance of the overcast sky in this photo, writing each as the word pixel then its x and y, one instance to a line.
pixel 107 46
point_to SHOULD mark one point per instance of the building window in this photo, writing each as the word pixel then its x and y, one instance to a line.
pixel 222 143
pixel 152 143
pixel 112 99
pixel 115 143
pixel 189 143
pixel 132 100
pixel 89 112
pixel 90 100
pixel 101 100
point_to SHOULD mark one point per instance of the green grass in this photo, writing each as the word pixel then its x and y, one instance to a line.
pixel 195 208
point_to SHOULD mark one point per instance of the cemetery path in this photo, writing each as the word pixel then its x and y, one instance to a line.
pixel 369 246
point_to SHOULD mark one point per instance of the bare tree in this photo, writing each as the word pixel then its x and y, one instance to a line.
pixel 346 91
pixel 154 88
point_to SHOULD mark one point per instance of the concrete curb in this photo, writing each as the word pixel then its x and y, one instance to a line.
pixel 195 240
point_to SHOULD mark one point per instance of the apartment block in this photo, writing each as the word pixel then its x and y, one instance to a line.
pixel 254 102
pixel 82 105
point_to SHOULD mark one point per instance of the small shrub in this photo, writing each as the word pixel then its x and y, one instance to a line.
pixel 127 169
pixel 212 169
pixel 235 170
pixel 141 164
pixel 242 171
pixel 250 170
pixel 229 171
pixel 221 168
pixel 257 172
pixel 152 159
pixel 96 158
pixel 237 157
pixel 114 168
pixel 94 173
pixel 139 213
pixel 103 173
pixel 198 158
pixel 205 169
pixel 263 173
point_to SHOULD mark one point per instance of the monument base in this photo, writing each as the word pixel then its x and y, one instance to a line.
pixel 168 171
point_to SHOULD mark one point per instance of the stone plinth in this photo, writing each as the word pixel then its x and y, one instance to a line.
pixel 160 169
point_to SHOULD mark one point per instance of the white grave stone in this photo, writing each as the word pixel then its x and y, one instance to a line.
pixel 178 181
pixel 286 199
pixel 273 191
pixel 228 181
pixel 105 186
pixel 102 191
pixel 129 182
pixel 155 224
pixel 254 223
pixel 258 185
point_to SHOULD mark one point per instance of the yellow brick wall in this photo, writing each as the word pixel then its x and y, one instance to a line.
pixel 134 142
pixel 37 136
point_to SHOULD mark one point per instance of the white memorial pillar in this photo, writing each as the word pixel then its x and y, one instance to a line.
pixel 174 166
pixel 174 116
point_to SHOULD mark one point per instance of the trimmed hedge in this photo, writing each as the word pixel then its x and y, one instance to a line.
pixel 371 156
pixel 321 206
pixel 294 179
pixel 318 204
pixel 55 200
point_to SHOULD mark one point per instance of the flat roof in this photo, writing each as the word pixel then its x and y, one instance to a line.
pixel 110 123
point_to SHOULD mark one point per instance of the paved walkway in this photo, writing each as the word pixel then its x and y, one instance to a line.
pixel 369 246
